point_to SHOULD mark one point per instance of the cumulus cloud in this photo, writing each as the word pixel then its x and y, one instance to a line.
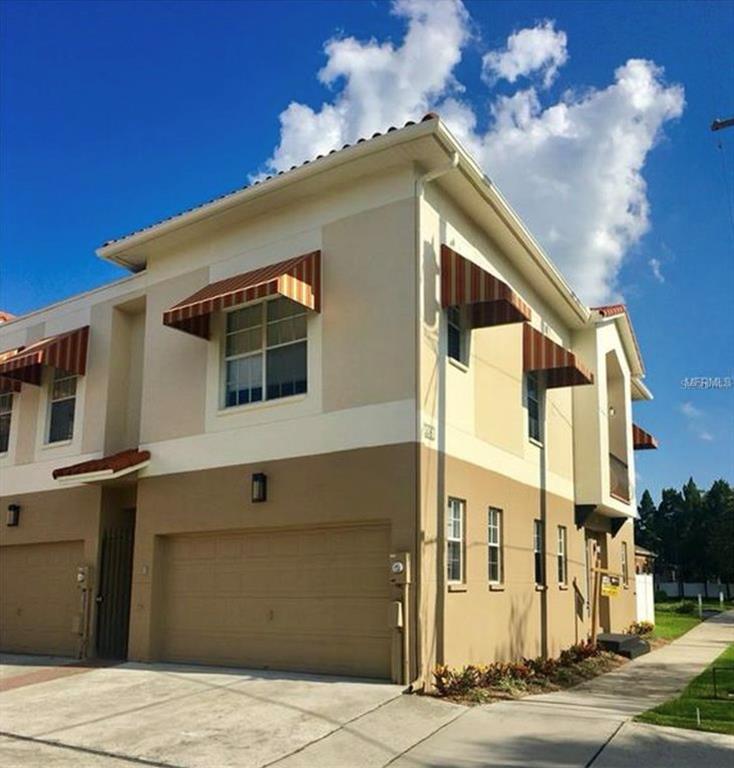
pixel 572 168
pixel 656 267
pixel 540 49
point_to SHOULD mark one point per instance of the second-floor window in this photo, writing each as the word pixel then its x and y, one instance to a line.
pixel 458 336
pixel 455 540
pixel 562 558
pixel 62 405
pixel 538 550
pixel 535 411
pixel 265 352
pixel 6 412
pixel 494 538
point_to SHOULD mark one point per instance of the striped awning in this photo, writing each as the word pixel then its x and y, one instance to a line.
pixel 488 299
pixel 298 279
pixel 66 351
pixel 641 440
pixel 8 385
pixel 560 367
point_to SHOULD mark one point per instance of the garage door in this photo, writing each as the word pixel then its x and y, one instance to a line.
pixel 39 598
pixel 309 599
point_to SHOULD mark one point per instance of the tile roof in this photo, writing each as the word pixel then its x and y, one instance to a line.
pixel 391 129
pixel 114 463
pixel 6 316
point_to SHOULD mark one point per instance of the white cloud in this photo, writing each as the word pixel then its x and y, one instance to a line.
pixel 655 266
pixel 572 169
pixel 689 410
pixel 540 49
pixel 693 415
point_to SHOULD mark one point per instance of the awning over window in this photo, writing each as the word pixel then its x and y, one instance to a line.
pixel 489 300
pixel 559 366
pixel 106 468
pixel 67 351
pixel 298 279
pixel 8 385
pixel 641 440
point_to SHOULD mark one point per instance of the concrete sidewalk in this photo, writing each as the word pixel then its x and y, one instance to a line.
pixel 590 724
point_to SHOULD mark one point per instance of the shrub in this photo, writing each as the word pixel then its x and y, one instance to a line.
pixel 661 596
pixel 640 628
pixel 684 607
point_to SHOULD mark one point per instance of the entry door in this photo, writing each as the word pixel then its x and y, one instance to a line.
pixel 113 597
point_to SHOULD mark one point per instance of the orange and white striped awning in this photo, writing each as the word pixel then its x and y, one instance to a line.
pixel 489 300
pixel 66 351
pixel 298 279
pixel 8 386
pixel 641 440
pixel 560 367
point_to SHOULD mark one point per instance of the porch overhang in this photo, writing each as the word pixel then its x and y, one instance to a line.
pixel 103 469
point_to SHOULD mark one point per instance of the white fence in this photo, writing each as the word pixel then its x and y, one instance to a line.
pixel 694 589
pixel 645 597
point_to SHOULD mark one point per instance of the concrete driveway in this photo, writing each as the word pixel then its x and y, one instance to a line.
pixel 54 714
pixel 57 714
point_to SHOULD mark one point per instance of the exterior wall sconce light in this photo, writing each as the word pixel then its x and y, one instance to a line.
pixel 612 411
pixel 259 487
pixel 13 514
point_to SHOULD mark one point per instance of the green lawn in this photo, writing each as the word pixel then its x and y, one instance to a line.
pixel 717 715
pixel 670 624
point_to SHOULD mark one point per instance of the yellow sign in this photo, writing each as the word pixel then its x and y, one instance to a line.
pixel 610 586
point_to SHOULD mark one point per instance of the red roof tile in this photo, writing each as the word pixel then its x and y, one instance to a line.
pixel 115 463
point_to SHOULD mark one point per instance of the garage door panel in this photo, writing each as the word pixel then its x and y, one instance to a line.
pixel 313 599
pixel 39 598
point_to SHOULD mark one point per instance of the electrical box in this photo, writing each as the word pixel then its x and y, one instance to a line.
pixel 395 620
pixel 82 577
pixel 400 568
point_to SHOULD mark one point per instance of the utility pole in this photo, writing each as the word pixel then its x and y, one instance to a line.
pixel 719 125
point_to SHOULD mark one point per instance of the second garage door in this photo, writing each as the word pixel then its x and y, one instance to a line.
pixel 39 598
pixel 312 599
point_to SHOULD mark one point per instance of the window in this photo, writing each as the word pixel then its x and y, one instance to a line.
pixel 455 540
pixel 6 411
pixel 538 550
pixel 62 406
pixel 625 566
pixel 535 416
pixel 494 538
pixel 562 559
pixel 265 352
pixel 458 336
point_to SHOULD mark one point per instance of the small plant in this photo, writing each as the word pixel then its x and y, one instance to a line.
pixel 661 596
pixel 684 607
pixel 640 628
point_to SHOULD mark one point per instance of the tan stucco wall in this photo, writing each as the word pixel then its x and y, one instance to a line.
pixel 66 515
pixel 367 485
pixel 369 307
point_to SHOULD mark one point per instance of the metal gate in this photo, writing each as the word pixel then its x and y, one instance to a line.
pixel 113 597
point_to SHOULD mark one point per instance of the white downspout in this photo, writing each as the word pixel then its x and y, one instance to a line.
pixel 420 185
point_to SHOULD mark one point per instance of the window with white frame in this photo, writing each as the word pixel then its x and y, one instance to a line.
pixel 455 540
pixel 538 550
pixel 265 352
pixel 534 403
pixel 6 413
pixel 62 405
pixel 625 564
pixel 458 336
pixel 494 542
pixel 562 557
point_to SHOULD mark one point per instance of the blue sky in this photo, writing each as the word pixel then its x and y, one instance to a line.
pixel 114 115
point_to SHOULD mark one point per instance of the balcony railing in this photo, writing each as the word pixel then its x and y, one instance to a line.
pixel 619 478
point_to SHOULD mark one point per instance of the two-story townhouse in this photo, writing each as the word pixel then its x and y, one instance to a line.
pixel 349 419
